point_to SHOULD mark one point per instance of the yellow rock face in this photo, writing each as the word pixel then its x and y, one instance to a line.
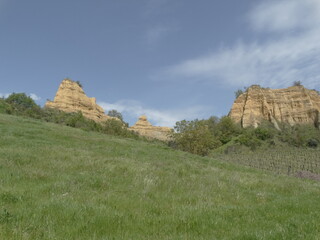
pixel 70 97
pixel 293 105
pixel 145 128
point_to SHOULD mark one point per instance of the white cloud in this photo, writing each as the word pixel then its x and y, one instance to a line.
pixel 286 15
pixel 35 97
pixel 276 62
pixel 4 95
pixel 168 118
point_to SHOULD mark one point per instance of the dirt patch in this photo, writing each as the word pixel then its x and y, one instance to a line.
pixel 308 175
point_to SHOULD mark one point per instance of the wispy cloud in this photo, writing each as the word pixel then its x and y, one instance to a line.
pixel 168 118
pixel 4 95
pixel 290 56
pixel 286 15
pixel 35 97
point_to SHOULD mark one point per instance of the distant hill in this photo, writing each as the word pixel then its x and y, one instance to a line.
pixel 59 182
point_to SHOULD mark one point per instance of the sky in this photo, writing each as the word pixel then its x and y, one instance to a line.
pixel 168 59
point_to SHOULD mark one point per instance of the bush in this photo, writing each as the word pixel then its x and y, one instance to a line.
pixel 117 128
pixel 226 129
pixel 238 93
pixel 79 84
pixel 297 83
pixel 263 133
pixel 299 135
pixel 5 107
pixel 21 100
pixel 248 138
pixel 194 137
pixel 21 104
pixel 312 143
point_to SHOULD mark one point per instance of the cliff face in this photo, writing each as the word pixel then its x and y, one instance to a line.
pixel 70 97
pixel 145 128
pixel 293 105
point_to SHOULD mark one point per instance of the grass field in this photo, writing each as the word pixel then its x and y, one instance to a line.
pixel 58 182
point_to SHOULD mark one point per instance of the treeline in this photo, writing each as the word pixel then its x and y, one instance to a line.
pixel 204 136
pixel 22 105
pixel 197 136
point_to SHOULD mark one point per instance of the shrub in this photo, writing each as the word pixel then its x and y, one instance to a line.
pixel 263 133
pixel 117 128
pixel 194 137
pixel 299 135
pixel 21 101
pixel 297 83
pixel 21 104
pixel 5 107
pixel 248 138
pixel 116 114
pixel 312 143
pixel 79 84
pixel 238 93
pixel 226 129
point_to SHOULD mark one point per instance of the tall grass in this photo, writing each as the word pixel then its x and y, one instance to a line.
pixel 58 182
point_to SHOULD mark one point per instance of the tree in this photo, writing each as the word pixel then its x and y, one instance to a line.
pixel 194 137
pixel 79 83
pixel 23 105
pixel 297 83
pixel 226 129
pixel 21 100
pixel 238 93
pixel 115 113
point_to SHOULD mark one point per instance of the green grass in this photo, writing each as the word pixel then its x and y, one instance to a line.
pixel 58 182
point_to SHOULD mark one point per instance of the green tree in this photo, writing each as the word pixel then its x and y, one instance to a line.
pixel 115 113
pixel 79 84
pixel 23 105
pixel 238 93
pixel 297 83
pixel 226 129
pixel 117 128
pixel 5 107
pixel 194 137
pixel 21 100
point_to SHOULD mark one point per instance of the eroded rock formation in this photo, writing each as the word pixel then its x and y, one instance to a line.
pixel 145 128
pixel 293 105
pixel 70 97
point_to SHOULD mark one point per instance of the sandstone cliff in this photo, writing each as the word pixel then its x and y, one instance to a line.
pixel 145 128
pixel 293 105
pixel 70 97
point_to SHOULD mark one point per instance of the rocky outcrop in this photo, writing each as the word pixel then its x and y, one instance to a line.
pixel 293 105
pixel 145 128
pixel 70 97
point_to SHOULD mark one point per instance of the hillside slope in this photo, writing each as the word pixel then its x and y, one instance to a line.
pixel 64 183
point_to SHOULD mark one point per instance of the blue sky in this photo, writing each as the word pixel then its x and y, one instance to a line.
pixel 168 59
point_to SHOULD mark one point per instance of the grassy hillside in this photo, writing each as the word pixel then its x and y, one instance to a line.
pixel 64 183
